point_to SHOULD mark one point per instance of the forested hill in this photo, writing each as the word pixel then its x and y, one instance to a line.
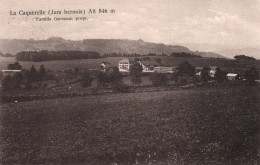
pixel 102 46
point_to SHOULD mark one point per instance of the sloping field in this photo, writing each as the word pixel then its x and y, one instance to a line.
pixel 199 126
pixel 226 64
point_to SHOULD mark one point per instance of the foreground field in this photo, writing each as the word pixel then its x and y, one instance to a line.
pixel 198 126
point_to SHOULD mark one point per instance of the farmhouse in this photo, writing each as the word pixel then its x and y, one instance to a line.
pixel 10 72
pixel 198 69
pixel 148 66
pixel 232 76
pixel 105 66
pixel 124 65
pixel 164 69
pixel 212 71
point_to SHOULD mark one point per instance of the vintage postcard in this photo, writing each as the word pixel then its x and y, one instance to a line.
pixel 129 82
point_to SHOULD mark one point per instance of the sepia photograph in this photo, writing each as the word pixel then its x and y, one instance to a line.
pixel 133 82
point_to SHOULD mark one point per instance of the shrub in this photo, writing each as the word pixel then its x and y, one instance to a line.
pixel 86 80
pixel 135 71
pixel 251 74
pixel 220 75
pixel 159 79
pixel 120 88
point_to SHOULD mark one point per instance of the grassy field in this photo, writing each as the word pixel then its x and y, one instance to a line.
pixel 197 126
pixel 229 65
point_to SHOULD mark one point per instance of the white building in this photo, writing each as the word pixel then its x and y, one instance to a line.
pixel 124 65
pixel 148 66
pixel 164 69
pixel 232 76
pixel 212 71
pixel 10 72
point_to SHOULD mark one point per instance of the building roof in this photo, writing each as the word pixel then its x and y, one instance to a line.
pixel 125 60
pixel 106 63
pixel 11 70
pixel 149 63
pixel 213 67
pixel 231 74
pixel 199 68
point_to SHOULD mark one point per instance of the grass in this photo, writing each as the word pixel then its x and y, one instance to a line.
pixel 227 64
pixel 199 126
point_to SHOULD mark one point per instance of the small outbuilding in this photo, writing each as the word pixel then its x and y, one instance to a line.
pixel 232 76
pixel 105 66
pixel 10 72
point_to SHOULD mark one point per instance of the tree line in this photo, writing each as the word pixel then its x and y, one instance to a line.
pixel 184 74
pixel 128 54
pixel 183 54
pixel 25 78
pixel 243 57
pixel 5 55
pixel 45 55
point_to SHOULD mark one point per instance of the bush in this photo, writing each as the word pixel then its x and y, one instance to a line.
pixel 135 71
pixel 159 79
pixel 14 66
pixel 251 75
pixel 120 88
pixel 86 80
pixel 204 75
pixel 220 75
pixel 103 80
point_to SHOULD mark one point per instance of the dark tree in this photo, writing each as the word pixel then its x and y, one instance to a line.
pixel 159 60
pixel 251 74
pixel 115 76
pixel 42 73
pixel 103 80
pixel 243 57
pixel 120 87
pixel 220 75
pixel 186 68
pixel 116 81
pixel 33 74
pixel 17 80
pixel 11 83
pixel 204 75
pixel 159 79
pixel 14 66
pixel 7 83
pixel 135 72
pixel 185 55
pixel 55 55
pixel 86 80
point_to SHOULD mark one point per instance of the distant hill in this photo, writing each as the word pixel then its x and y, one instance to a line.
pixel 252 52
pixel 99 45
pixel 226 50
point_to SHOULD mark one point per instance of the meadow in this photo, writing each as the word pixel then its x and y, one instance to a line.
pixel 227 64
pixel 206 125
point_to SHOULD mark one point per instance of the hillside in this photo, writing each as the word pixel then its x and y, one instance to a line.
pixel 252 52
pixel 226 50
pixel 99 45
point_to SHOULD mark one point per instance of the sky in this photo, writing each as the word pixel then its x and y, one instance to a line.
pixel 235 22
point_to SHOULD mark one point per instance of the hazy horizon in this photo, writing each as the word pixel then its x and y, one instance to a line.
pixel 201 24
pixel 185 21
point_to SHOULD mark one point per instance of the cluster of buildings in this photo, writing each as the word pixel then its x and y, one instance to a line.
pixel 150 66
pixel 212 71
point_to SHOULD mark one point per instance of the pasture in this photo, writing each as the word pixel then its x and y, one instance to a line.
pixel 226 64
pixel 195 126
